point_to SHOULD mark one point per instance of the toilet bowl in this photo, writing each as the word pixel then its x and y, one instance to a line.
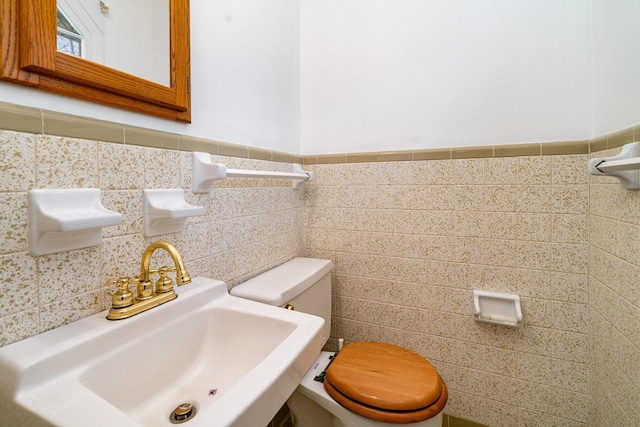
pixel 312 406
pixel 366 384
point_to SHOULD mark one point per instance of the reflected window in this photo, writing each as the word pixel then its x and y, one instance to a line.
pixel 69 37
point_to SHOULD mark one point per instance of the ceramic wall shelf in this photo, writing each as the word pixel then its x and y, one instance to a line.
pixel 63 220
pixel 165 211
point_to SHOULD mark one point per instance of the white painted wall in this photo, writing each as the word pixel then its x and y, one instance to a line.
pixel 616 65
pixel 245 78
pixel 246 61
pixel 333 76
pixel 389 75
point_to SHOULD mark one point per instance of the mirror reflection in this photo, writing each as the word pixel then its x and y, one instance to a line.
pixel 127 35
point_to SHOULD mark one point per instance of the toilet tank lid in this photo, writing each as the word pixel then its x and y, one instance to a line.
pixel 283 283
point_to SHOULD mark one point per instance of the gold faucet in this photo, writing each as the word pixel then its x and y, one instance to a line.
pixel 125 305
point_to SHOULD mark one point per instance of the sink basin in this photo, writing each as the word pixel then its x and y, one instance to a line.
pixel 236 361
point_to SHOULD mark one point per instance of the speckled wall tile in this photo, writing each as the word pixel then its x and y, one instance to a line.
pixel 66 163
pixel 468 171
pixel 535 368
pixel 535 340
pixel 500 252
pixel 440 172
pixel 537 312
pixel 569 287
pixel 570 375
pixel 569 257
pixel 534 170
pixel 570 228
pixel 196 242
pixel 161 168
pixel 128 203
pixel 534 226
pixel 18 288
pixel 535 199
pixel 17 151
pixel 77 270
pixel 501 171
pixel 501 198
pixel 569 405
pixel 500 225
pixel 569 346
pixel 14 230
pixel 121 166
pixel 18 326
pixel 497 279
pixel 571 317
pixel 75 307
pixel 441 198
pixel 186 171
pixel 121 256
pixel 569 169
pixel 569 198
pixel 534 255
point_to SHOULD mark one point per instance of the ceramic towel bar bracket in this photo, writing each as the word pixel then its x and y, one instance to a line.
pixel 625 166
pixel 205 172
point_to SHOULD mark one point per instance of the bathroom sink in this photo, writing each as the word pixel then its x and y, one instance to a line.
pixel 236 361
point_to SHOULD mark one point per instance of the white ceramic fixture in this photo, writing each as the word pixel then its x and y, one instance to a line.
pixel 304 284
pixel 165 211
pixel 497 308
pixel 236 361
pixel 67 219
pixel 205 172
pixel 624 166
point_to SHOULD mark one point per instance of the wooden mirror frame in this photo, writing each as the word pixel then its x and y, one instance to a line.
pixel 29 56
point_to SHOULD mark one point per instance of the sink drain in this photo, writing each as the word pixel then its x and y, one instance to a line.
pixel 183 413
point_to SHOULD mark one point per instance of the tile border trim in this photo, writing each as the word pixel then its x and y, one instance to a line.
pixel 33 120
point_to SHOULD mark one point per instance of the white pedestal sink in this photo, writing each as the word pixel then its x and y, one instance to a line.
pixel 236 361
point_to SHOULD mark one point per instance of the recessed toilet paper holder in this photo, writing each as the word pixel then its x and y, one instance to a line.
pixel 497 308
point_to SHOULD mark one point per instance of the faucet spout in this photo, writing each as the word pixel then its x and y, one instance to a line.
pixel 182 276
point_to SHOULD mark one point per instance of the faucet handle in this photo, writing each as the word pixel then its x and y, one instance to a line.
pixel 164 283
pixel 182 278
pixel 144 288
pixel 164 269
pixel 123 296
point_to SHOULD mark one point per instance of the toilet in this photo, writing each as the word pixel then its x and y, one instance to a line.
pixel 365 384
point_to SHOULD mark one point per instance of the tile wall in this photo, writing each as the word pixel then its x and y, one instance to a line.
pixel 249 225
pixel 411 240
pixel 614 303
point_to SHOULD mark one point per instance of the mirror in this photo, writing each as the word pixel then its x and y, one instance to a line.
pixel 127 35
pixel 55 46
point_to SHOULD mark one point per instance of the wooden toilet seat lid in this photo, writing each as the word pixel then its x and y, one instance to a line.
pixel 384 376
pixel 394 417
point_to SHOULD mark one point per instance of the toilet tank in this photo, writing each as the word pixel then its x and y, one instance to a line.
pixel 303 283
